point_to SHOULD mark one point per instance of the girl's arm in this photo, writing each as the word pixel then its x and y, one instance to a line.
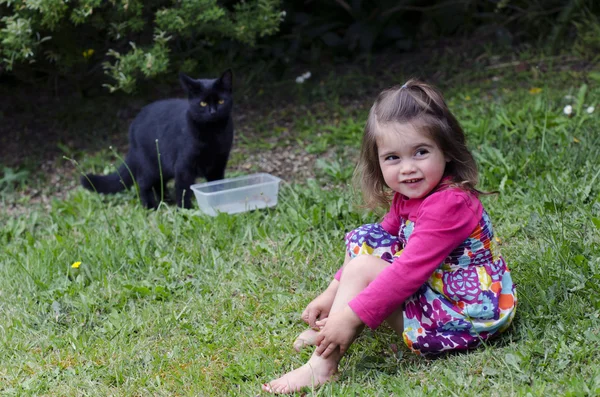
pixel 444 221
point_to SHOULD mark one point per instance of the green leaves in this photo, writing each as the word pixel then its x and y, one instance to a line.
pixel 12 179
pixel 206 15
pixel 63 35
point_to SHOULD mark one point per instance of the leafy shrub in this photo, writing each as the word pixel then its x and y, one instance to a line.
pixel 128 38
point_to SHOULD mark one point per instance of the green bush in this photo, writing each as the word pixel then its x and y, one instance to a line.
pixel 127 38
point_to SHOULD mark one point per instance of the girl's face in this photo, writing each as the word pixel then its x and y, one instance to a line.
pixel 412 164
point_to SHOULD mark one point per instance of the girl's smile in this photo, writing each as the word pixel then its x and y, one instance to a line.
pixel 412 164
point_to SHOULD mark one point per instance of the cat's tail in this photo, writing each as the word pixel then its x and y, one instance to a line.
pixel 108 184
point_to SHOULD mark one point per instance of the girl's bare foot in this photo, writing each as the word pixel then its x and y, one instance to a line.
pixel 306 338
pixel 315 372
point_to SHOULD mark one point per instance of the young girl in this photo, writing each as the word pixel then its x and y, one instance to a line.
pixel 431 268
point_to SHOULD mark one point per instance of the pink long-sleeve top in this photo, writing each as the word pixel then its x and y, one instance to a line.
pixel 442 221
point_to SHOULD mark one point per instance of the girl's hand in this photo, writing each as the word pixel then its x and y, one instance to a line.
pixel 339 331
pixel 319 308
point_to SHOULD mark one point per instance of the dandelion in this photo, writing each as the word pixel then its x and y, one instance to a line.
pixel 304 76
pixel 88 53
pixel 590 109
pixel 76 265
pixel 568 110
pixel 535 90
pixel 468 98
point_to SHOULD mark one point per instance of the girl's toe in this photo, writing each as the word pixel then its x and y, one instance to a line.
pixel 267 388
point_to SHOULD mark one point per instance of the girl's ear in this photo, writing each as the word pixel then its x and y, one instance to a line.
pixel 188 83
pixel 227 80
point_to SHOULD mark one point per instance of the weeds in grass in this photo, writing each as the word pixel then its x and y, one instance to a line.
pixel 12 180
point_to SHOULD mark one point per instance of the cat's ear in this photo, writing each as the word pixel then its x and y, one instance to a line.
pixel 227 80
pixel 188 83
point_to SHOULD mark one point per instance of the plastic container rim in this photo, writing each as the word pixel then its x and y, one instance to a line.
pixel 197 186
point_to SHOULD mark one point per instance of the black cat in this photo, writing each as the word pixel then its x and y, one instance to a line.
pixel 193 136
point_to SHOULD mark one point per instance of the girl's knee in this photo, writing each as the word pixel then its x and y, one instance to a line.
pixel 358 262
pixel 364 266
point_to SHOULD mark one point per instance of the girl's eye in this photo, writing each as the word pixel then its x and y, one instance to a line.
pixel 421 152
pixel 203 104
pixel 221 101
pixel 391 157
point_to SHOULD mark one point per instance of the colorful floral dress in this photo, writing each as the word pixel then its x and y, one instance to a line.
pixel 469 298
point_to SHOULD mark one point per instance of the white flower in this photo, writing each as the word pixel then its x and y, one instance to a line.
pixel 283 14
pixel 590 110
pixel 569 97
pixel 306 75
pixel 299 79
pixel 568 110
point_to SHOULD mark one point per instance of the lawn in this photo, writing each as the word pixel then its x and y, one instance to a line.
pixel 173 302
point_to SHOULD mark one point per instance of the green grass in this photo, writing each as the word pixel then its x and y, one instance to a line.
pixel 173 302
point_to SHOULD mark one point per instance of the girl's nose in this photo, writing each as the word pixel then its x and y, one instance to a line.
pixel 407 167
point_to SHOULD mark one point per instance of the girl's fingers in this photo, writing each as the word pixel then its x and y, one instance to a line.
pixel 320 349
pixel 319 339
pixel 312 317
pixel 330 349
pixel 321 323
pixel 321 344
pixel 304 316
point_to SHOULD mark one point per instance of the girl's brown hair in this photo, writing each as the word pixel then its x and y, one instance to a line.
pixel 424 107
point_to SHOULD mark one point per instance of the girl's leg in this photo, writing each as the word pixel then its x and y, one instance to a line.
pixel 358 273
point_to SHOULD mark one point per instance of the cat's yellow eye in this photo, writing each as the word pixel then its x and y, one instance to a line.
pixel 203 104
pixel 221 101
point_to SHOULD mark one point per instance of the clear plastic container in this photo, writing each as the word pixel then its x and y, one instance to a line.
pixel 233 195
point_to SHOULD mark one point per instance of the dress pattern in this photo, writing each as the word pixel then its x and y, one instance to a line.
pixel 469 298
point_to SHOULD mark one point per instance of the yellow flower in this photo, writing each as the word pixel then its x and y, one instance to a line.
pixel 576 140
pixel 467 98
pixel 88 53
pixel 535 90
pixel 76 265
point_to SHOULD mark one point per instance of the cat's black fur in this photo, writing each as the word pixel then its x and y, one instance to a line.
pixel 194 139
